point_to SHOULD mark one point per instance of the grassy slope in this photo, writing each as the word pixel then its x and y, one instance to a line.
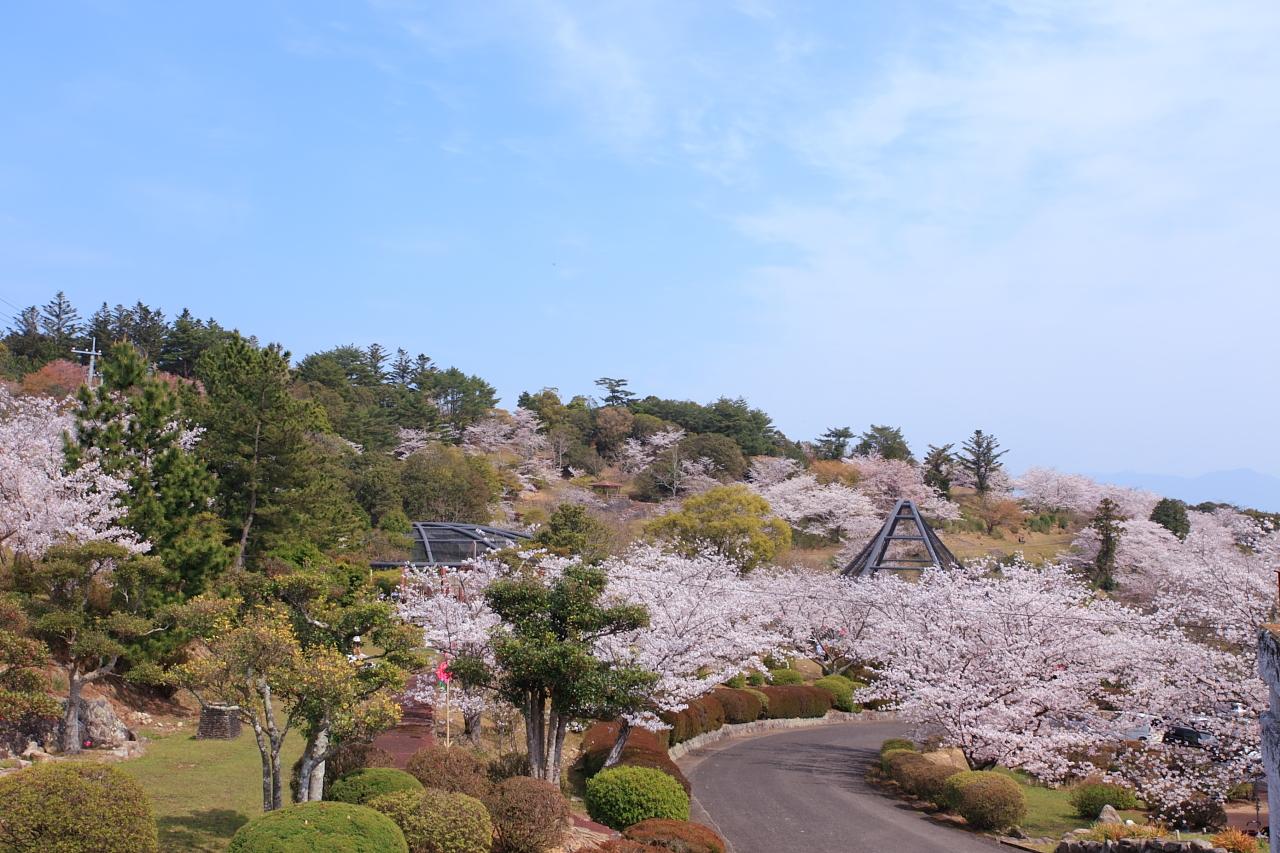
pixel 203 790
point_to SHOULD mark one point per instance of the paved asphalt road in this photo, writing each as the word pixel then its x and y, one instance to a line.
pixel 805 791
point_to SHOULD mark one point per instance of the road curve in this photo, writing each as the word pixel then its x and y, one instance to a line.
pixel 805 790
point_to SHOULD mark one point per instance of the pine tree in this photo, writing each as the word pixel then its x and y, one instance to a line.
pixel 938 465
pixel 401 368
pixel 1171 514
pixel 834 443
pixel 1107 522
pixel 133 425
pixel 59 321
pixel 377 359
pixel 616 391
pixel 885 441
pixel 981 458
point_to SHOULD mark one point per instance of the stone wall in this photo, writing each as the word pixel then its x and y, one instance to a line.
pixel 219 722
pixel 1137 845
pixel 762 726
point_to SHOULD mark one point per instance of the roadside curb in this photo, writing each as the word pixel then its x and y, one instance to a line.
pixel 759 727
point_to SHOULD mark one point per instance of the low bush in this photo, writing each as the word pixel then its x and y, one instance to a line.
pixel 952 787
pixel 783 677
pixel 1118 831
pixel 755 679
pixel 450 768
pixel 643 749
pixel 619 845
pixel 1200 814
pixel 738 682
pixel 886 758
pixel 321 827
pixel 1235 841
pixel 347 758
pixel 796 700
pixel 507 766
pixel 529 815
pixel 922 777
pixel 74 807
pixel 764 701
pixel 700 716
pixel 622 796
pixel 740 706
pixel 1088 798
pixel 435 821
pixel 676 835
pixel 841 690
pixel 896 743
pixel 991 801
pixel 361 786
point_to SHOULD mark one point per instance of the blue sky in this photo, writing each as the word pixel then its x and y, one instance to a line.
pixel 1055 221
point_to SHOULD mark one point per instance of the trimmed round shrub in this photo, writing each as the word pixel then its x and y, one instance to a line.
pixel 676 835
pixel 348 757
pixel 435 821
pixel 896 743
pixel 841 690
pixel 1088 798
pixel 529 815
pixel 643 749
pixel 952 787
pixel 740 706
pixel 886 758
pixel 507 765
pixel 361 786
pixel 622 796
pixel 450 768
pixel 321 827
pixel 783 677
pixel 75 807
pixel 796 700
pixel 993 801
pixel 923 778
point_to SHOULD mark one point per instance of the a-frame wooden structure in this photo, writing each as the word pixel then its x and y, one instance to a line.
pixel 875 557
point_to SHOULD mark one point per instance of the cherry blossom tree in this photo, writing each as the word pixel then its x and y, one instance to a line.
pixel 887 481
pixel 43 503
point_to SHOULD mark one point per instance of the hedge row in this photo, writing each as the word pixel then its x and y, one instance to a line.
pixel 796 701
pixel 702 715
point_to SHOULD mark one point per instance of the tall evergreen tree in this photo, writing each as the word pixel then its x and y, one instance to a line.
pixel 257 439
pixel 133 425
pixel 60 321
pixel 1171 514
pixel 1107 522
pixel 886 441
pixel 834 443
pixel 980 456
pixel 616 393
pixel 938 465
pixel 377 359
pixel 401 368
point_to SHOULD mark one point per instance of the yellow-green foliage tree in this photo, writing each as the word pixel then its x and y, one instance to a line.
pixel 731 520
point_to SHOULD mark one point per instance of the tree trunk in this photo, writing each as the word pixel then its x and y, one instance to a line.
pixel 311 770
pixel 548 747
pixel 71 717
pixel 471 726
pixel 557 751
pixel 277 788
pixel 264 752
pixel 253 498
pixel 615 753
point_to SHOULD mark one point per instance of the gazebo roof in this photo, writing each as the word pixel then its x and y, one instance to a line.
pixel 447 543
pixel 928 550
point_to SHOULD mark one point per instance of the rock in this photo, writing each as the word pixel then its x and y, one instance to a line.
pixel 1109 815
pixel 99 723
pixel 1201 844
pixel 1016 832
pixel 1081 831
pixel 948 757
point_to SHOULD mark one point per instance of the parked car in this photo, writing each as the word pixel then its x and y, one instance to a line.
pixel 1188 736
pixel 1143 727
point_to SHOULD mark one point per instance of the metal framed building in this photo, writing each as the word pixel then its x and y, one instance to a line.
pixel 446 543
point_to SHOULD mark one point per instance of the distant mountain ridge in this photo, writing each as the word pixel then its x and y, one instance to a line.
pixel 1243 487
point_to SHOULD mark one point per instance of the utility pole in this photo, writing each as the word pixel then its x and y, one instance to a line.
pixel 93 354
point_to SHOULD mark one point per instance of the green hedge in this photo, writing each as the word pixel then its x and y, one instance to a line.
pixel 887 758
pixel 623 796
pixel 782 677
pixel 643 749
pixel 1088 798
pixel 796 701
pixel 702 715
pixel 435 821
pixel 897 743
pixel 322 828
pixel 361 786
pixel 841 690
pixel 75 807
pixel 987 800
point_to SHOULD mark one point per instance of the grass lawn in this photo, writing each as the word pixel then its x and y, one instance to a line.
pixel 1050 813
pixel 203 790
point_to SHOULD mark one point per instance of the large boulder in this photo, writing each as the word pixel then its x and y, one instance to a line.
pixel 1109 815
pixel 99 723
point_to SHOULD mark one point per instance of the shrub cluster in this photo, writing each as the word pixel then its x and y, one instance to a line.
pixel 1235 841
pixel 841 690
pixel 528 815
pixel 987 800
pixel 643 749
pixel 623 796
pixel 75 808
pixel 740 706
pixel 319 826
pixel 361 786
pixel 783 677
pixel 700 716
pixel 454 769
pixel 507 765
pixel 887 756
pixel 675 835
pixel 919 776
pixel 435 821
pixel 1200 813
pixel 796 701
pixel 896 743
pixel 1088 798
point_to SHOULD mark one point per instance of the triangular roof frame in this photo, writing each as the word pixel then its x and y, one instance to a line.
pixel 872 557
